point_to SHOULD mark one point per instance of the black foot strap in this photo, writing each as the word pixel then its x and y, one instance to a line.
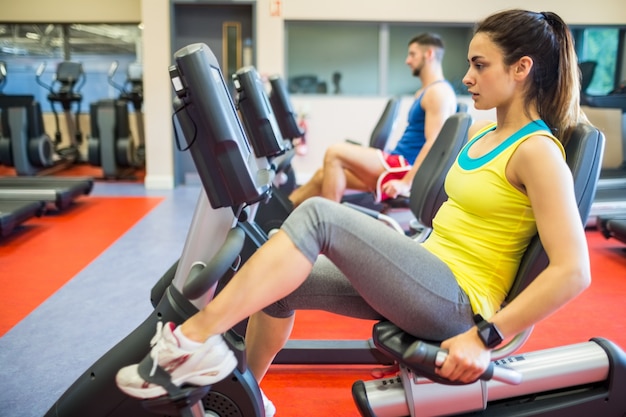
pixel 178 400
pixel 159 377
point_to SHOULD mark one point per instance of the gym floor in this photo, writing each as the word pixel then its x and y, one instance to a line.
pixel 45 352
pixel 50 348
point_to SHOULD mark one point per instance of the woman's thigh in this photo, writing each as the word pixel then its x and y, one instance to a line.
pixel 393 274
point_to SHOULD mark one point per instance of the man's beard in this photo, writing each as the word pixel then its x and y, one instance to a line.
pixel 417 71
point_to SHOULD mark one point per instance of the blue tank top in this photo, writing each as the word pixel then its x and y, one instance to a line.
pixel 413 138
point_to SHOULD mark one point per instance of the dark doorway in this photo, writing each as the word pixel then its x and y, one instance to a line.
pixel 227 28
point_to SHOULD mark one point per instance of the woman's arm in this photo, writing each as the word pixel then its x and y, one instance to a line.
pixel 537 169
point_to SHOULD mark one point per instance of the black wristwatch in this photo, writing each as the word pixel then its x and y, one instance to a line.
pixel 488 332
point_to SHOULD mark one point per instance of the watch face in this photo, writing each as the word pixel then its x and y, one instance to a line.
pixel 489 334
pixel 493 338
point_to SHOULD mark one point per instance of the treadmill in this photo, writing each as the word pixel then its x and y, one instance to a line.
pixel 25 146
pixel 16 142
pixel 59 193
pixel 15 212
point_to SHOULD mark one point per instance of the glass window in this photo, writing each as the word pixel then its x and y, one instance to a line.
pixel 332 58
pixel 456 40
pixel 601 46
pixel 25 47
pixel 353 58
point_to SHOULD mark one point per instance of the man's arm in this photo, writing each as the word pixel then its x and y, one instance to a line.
pixel 438 103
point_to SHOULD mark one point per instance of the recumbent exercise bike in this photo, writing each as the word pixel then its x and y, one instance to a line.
pixel 234 180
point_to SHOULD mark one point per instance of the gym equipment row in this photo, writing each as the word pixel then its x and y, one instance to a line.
pixel 235 181
pixel 22 198
pixel 24 145
pixel 110 145
pixel 15 212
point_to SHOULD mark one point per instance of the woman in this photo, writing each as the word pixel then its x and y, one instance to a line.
pixel 510 181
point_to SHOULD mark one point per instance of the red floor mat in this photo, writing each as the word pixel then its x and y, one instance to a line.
pixel 41 256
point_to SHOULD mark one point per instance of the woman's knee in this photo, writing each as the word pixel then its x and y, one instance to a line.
pixel 315 206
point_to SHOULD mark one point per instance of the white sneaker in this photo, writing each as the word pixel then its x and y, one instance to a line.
pixel 207 365
pixel 270 409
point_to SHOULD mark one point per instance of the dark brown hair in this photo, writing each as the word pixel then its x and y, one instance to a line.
pixel 430 39
pixel 554 85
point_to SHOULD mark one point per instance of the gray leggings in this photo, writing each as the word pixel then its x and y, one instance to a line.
pixel 364 269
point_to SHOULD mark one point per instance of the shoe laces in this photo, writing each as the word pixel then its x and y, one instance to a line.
pixel 157 339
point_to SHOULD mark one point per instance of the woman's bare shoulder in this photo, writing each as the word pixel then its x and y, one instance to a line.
pixel 477 126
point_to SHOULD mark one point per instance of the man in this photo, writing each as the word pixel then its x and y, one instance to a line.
pixel 350 166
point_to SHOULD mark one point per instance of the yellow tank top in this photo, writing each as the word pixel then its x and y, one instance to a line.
pixel 484 227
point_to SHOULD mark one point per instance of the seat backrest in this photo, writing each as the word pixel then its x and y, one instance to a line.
pixel 587 70
pixel 584 157
pixel 3 75
pixel 462 107
pixel 382 131
pixel 427 191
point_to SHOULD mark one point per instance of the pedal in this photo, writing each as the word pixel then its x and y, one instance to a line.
pixel 178 404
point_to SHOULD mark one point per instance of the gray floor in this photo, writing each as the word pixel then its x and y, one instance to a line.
pixel 43 354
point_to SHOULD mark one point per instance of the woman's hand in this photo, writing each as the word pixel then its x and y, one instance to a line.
pixel 467 359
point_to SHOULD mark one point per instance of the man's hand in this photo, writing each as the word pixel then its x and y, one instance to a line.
pixel 394 188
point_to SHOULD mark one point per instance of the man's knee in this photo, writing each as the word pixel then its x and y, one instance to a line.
pixel 318 177
pixel 337 151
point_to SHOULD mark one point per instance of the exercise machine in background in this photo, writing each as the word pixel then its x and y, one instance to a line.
pixel 132 92
pixel 24 145
pixel 287 120
pixel 271 215
pixel 29 150
pixel 111 144
pixel 13 212
pixel 65 90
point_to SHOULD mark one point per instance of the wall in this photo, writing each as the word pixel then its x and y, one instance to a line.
pixel 334 119
pixel 71 11
pixel 573 11
pixel 155 15
pixel 157 57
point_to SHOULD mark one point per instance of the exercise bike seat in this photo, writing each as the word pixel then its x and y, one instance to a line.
pixel 584 155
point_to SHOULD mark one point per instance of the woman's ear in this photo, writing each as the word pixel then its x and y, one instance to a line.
pixel 523 67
